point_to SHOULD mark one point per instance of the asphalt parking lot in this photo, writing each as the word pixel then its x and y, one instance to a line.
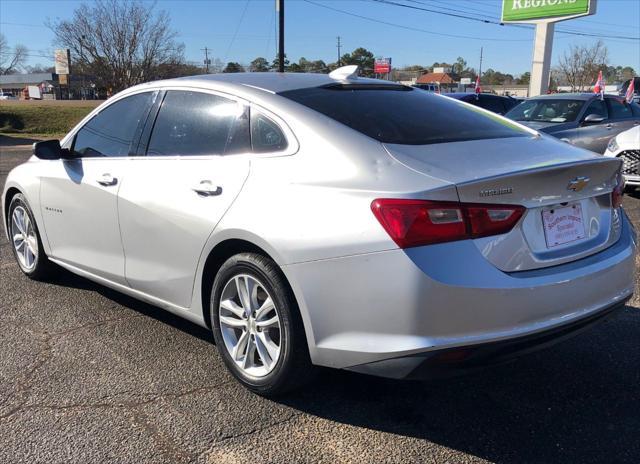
pixel 90 376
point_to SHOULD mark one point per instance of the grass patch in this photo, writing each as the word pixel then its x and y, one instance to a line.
pixel 32 119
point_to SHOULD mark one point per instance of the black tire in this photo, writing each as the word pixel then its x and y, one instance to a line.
pixel 43 268
pixel 293 367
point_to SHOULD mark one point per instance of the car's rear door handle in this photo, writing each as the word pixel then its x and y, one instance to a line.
pixel 609 126
pixel 107 180
pixel 206 189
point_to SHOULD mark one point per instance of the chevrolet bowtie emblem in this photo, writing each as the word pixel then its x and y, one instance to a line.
pixel 578 183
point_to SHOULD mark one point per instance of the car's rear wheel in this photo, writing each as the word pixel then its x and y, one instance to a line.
pixel 25 240
pixel 257 325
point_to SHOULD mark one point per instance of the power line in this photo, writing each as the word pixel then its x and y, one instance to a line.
pixel 367 18
pixel 495 21
pixel 233 39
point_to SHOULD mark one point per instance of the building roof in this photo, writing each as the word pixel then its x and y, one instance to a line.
pixel 432 78
pixel 26 79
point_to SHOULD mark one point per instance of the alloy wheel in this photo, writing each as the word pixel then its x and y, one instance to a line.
pixel 250 325
pixel 24 239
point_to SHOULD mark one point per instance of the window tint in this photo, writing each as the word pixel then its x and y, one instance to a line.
pixel 194 123
pixel 403 115
pixel 266 136
pixel 546 110
pixel 111 132
pixel 598 107
pixel 618 109
pixel 491 104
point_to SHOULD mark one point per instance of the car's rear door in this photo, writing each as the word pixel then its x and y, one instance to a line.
pixel 79 195
pixel 195 165
pixel 621 115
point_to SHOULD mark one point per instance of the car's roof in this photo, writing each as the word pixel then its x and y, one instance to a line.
pixel 269 81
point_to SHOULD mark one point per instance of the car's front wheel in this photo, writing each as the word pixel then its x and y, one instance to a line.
pixel 257 326
pixel 25 240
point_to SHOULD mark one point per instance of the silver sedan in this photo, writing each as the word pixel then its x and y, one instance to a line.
pixel 329 220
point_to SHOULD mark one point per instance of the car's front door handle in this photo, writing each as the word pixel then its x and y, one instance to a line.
pixel 107 180
pixel 206 189
pixel 609 126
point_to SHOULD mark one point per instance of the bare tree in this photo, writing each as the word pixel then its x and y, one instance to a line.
pixel 579 65
pixel 11 60
pixel 120 43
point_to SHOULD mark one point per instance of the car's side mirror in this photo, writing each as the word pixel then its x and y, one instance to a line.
pixel 593 119
pixel 49 150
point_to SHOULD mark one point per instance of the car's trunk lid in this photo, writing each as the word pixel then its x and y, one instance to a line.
pixel 538 173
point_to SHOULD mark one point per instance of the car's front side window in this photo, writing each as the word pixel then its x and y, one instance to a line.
pixel 112 131
pixel 597 107
pixel 195 124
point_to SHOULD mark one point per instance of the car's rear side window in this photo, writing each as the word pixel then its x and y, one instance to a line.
pixel 618 109
pixel 266 135
pixel 403 115
pixel 196 123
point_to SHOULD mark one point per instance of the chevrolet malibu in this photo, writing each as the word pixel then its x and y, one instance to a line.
pixel 329 220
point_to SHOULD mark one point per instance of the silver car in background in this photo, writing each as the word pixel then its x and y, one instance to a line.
pixel 329 220
pixel 585 120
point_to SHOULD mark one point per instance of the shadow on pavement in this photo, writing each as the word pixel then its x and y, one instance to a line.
pixel 574 402
pixel 65 278
pixel 6 141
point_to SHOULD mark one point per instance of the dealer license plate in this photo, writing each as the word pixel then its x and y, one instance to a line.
pixel 563 225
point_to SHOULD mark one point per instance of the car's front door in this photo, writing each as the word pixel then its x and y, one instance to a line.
pixel 196 162
pixel 594 136
pixel 79 195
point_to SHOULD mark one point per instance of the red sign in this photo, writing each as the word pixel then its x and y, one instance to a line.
pixel 382 66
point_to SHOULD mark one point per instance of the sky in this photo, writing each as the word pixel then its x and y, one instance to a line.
pixel 240 30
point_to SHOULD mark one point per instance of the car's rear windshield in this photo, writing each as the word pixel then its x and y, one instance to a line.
pixel 547 110
pixel 403 115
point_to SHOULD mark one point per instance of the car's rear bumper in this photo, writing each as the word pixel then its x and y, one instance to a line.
pixel 397 304
pixel 465 359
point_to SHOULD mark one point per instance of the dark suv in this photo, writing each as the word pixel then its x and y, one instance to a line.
pixel 636 89
pixel 488 101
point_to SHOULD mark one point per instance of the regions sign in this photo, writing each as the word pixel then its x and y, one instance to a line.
pixel 532 10
pixel 382 66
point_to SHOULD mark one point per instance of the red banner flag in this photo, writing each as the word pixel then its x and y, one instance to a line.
pixel 599 87
pixel 478 88
pixel 630 91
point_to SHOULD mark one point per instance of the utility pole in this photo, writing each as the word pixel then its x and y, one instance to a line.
pixel 480 72
pixel 280 10
pixel 206 59
pixel 339 54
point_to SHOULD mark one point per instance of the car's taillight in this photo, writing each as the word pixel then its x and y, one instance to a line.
pixel 617 194
pixel 421 222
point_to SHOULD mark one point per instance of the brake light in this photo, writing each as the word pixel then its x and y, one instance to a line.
pixel 617 194
pixel 412 223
